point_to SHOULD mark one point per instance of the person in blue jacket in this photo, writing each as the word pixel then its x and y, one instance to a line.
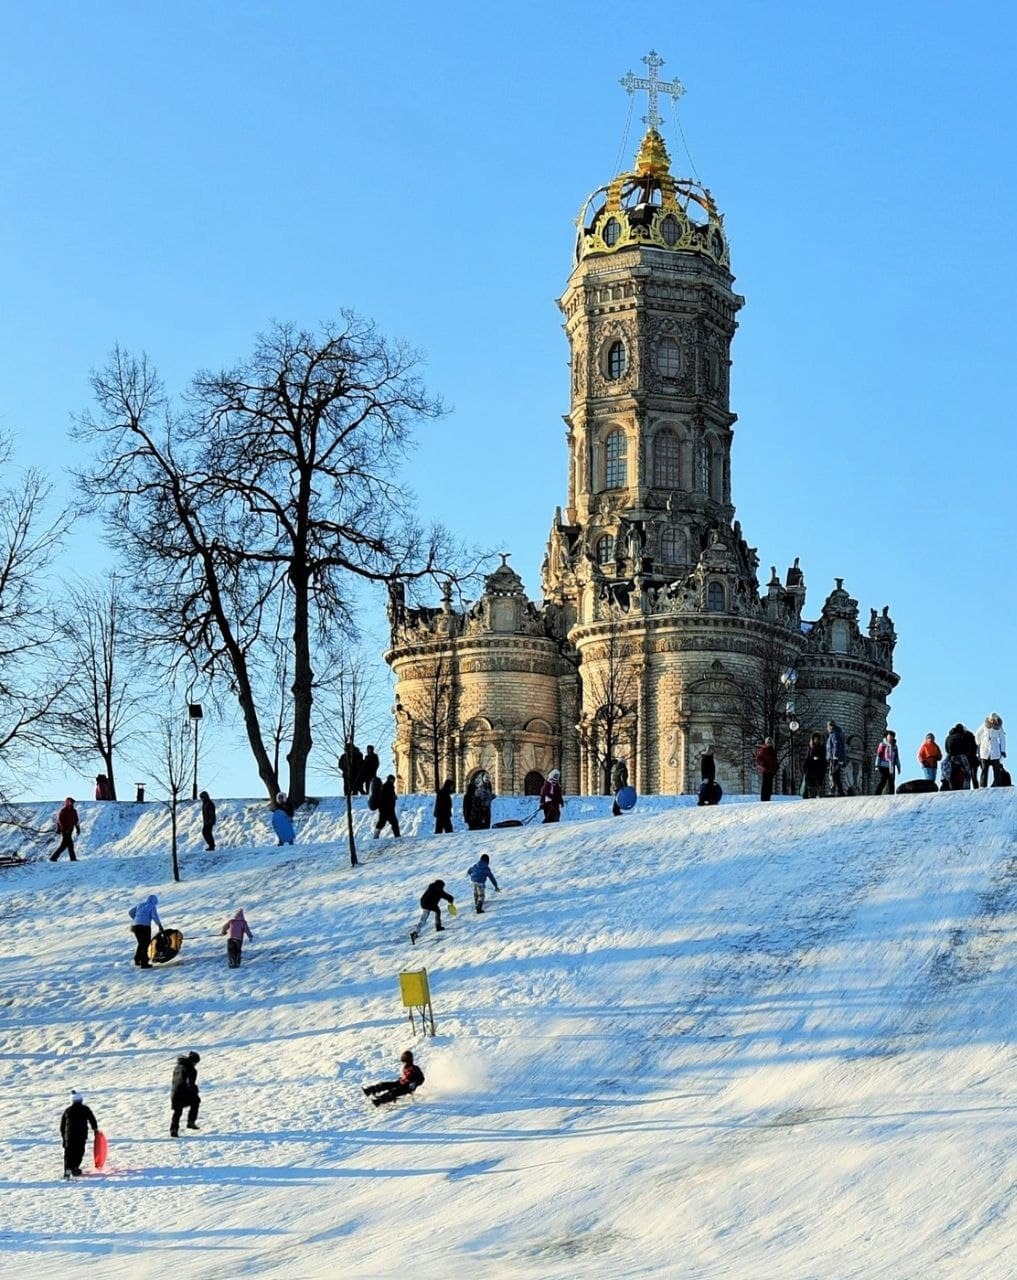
pixel 480 873
pixel 282 819
pixel 143 915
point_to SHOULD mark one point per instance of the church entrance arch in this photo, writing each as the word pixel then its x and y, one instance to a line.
pixel 533 782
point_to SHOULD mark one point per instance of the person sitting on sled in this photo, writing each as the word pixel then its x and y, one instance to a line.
pixel 411 1077
pixel 430 900
pixel 480 873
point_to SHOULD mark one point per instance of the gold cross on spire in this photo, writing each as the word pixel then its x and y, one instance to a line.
pixel 653 87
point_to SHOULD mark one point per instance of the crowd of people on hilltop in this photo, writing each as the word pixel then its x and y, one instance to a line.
pixel 965 760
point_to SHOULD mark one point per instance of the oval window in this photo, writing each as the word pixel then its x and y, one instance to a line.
pixel 670 230
pixel 612 232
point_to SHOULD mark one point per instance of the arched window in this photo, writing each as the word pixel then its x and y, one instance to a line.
pixel 605 549
pixel 715 597
pixel 670 229
pixel 615 469
pixel 669 357
pixel 616 360
pixel 705 468
pixel 672 547
pixel 612 231
pixel 665 460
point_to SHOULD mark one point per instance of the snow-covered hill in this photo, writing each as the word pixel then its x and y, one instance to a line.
pixel 751 1041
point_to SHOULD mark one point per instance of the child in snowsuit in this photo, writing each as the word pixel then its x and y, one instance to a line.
pixel 235 928
pixel 410 1078
pixel 480 873
pixel 143 915
pixel 74 1125
pixel 430 900
pixel 184 1092
pixel 68 826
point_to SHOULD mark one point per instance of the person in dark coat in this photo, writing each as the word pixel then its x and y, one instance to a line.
pixel 102 789
pixel 430 901
pixel 207 820
pixel 410 1078
pixel 710 792
pixel 443 809
pixel 351 766
pixel 836 756
pixel 708 766
pixel 814 768
pixel 387 808
pixel 68 826
pixel 767 764
pixel 369 770
pixel 961 751
pixel 470 805
pixel 74 1126
pixel 285 804
pixel 184 1092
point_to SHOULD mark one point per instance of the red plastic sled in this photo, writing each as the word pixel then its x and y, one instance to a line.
pixel 99 1149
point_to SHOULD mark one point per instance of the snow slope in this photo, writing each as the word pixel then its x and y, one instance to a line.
pixel 751 1041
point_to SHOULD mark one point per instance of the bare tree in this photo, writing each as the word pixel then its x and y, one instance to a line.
pixel 348 704
pixel 762 707
pixel 100 710
pixel 609 689
pixel 432 708
pixel 277 478
pixel 170 746
pixel 30 688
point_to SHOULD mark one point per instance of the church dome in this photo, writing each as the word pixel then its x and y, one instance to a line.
pixel 650 207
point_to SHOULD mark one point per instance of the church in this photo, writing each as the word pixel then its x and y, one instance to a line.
pixel 654 638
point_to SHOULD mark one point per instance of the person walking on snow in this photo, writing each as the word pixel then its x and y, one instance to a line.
pixel 369 769
pixel 708 766
pixel 74 1126
pixel 887 764
pixel 929 756
pixel 143 915
pixel 430 901
pixel 443 809
pixel 410 1078
pixel 991 740
pixel 552 799
pixel 836 757
pixel 68 826
pixel 480 873
pixel 387 808
pixel 207 820
pixel 814 768
pixel 234 929
pixel 184 1092
pixel 767 764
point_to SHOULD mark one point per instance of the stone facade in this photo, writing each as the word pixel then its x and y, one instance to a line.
pixel 653 638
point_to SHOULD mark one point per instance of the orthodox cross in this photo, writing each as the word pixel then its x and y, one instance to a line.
pixel 653 86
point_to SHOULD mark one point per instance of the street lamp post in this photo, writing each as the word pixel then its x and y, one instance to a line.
pixel 195 712
pixel 789 679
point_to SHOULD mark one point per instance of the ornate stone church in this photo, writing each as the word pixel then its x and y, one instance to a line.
pixel 654 638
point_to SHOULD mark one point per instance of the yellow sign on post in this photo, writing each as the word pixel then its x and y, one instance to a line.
pixel 416 994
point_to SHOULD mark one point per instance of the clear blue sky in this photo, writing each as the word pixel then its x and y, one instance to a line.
pixel 174 177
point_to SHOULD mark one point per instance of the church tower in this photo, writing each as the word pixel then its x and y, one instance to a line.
pixel 653 640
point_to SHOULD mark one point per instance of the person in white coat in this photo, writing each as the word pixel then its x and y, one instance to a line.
pixel 991 740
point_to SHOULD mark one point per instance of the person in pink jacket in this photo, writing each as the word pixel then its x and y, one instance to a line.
pixel 235 928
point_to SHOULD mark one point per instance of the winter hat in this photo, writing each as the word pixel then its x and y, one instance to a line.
pixel 153 901
pixel 554 775
pixel 406 1057
pixel 194 1057
pixel 280 797
pixel 77 1097
pixel 69 800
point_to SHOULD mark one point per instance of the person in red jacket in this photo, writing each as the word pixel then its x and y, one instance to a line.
pixel 410 1078
pixel 766 763
pixel 929 756
pixel 68 826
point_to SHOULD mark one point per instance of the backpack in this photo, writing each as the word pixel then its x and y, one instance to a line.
pixel 374 797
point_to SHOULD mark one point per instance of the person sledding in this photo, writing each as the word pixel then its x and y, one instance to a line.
pixel 410 1078
pixel 430 901
pixel 480 873
pixel 143 915
pixel 74 1125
